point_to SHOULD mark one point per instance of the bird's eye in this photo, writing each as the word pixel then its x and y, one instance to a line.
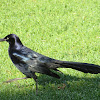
pixel 7 38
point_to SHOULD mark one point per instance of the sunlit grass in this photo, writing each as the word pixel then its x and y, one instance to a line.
pixel 61 29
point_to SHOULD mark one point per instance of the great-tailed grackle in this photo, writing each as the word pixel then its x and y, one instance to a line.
pixel 29 62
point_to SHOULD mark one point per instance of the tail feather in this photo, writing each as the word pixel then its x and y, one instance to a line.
pixel 84 67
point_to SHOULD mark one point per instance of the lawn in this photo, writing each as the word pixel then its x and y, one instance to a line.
pixel 67 30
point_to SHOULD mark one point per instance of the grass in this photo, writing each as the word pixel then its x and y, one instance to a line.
pixel 61 29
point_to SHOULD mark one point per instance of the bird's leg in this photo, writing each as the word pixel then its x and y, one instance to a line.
pixel 35 78
pixel 36 85
pixel 11 80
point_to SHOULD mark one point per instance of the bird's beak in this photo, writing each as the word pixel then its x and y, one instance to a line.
pixel 1 40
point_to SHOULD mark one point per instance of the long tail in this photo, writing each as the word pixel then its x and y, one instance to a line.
pixel 84 67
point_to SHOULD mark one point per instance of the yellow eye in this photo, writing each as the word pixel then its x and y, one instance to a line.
pixel 7 38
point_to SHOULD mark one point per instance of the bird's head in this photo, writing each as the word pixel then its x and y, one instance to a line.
pixel 12 39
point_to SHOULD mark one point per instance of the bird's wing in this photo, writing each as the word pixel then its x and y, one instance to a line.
pixel 25 57
pixel 20 57
pixel 36 63
pixel 30 59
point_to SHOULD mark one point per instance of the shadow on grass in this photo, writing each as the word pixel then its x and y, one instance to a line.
pixel 51 88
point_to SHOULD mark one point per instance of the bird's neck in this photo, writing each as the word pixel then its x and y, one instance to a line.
pixel 17 44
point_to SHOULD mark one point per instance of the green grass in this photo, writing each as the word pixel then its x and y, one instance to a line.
pixel 61 29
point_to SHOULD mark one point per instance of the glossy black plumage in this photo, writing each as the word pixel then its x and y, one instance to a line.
pixel 29 62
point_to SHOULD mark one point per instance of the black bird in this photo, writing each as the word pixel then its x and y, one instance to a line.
pixel 30 62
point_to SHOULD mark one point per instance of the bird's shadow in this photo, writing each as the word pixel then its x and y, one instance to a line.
pixel 44 79
pixel 64 78
pixel 47 81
